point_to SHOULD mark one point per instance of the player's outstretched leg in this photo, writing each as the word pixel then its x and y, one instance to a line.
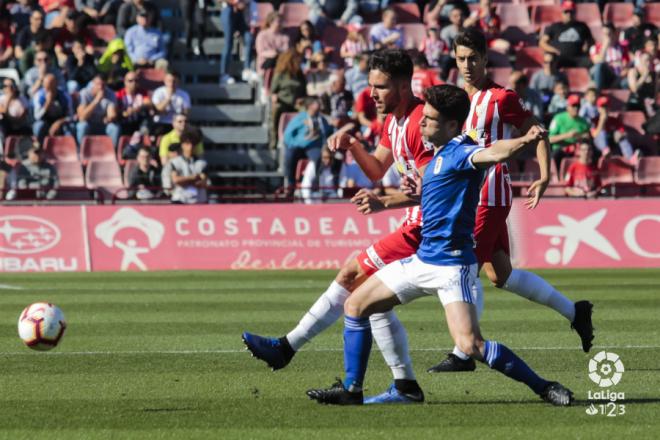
pixel 278 352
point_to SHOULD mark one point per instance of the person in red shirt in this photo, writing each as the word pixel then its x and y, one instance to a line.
pixel 423 76
pixel 365 108
pixel 582 177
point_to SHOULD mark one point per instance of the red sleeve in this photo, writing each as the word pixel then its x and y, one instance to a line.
pixel 512 110
pixel 422 154
pixel 385 140
pixel 570 176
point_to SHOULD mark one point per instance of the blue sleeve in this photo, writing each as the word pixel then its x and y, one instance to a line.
pixel 462 157
pixel 162 50
pixel 291 130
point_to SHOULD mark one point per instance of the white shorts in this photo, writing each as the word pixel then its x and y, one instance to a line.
pixel 410 278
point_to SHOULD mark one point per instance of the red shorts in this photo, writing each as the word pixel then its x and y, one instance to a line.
pixel 399 244
pixel 490 232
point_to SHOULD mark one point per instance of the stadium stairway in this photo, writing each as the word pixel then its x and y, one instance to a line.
pixel 231 118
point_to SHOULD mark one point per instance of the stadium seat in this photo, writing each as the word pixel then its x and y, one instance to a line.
pixel 588 13
pixel 406 12
pixel 652 13
pixel 16 146
pixel 413 34
pixel 97 148
pixel 263 9
pixel 103 32
pixel 619 14
pixel 497 59
pixel 512 14
pixel 596 32
pixel 634 119
pixel 129 165
pixel 151 79
pixel 545 15
pixel 532 3
pixel 578 79
pixel 617 99
pixel 500 75
pixel 61 148
pixel 70 174
pixel 293 14
pixel 521 35
pixel 633 122
pixel 104 177
pixel 648 171
pixel 334 36
pixel 564 166
pixel 529 57
pixel 615 169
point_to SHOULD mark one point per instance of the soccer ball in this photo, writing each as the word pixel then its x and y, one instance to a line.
pixel 41 326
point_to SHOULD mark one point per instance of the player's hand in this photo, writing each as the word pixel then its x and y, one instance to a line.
pixel 411 187
pixel 535 192
pixel 341 141
pixel 367 202
pixel 535 134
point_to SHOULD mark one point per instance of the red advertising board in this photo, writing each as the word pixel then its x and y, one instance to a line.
pixel 254 236
pixel 587 233
pixel 42 239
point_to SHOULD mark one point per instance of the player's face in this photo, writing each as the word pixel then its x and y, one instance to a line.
pixel 431 125
pixel 384 92
pixel 471 65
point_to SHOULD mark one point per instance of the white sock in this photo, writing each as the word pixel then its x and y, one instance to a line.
pixel 480 310
pixel 392 339
pixel 325 312
pixel 534 288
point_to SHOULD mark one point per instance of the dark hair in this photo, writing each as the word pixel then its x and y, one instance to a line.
pixel 395 63
pixel 473 39
pixel 419 59
pixel 451 102
pixel 191 135
pixel 174 147
pixel 145 148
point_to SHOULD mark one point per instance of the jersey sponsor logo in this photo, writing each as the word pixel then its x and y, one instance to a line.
pixel 368 263
pixel 438 165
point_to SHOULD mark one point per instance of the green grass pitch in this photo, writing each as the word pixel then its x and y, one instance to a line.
pixel 159 356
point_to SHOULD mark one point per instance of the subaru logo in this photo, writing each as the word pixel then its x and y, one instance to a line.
pixel 26 234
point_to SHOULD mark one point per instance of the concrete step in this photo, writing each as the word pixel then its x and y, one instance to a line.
pixel 227 113
pixel 236 135
pixel 232 92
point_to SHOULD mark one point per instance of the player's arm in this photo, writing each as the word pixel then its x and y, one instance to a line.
pixel 503 150
pixel 370 203
pixel 374 165
pixel 538 187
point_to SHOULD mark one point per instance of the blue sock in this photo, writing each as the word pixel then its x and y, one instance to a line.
pixel 357 346
pixel 500 358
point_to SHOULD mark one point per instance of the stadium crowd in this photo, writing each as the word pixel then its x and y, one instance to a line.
pixel 74 87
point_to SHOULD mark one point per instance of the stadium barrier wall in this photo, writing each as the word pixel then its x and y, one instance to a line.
pixel 559 233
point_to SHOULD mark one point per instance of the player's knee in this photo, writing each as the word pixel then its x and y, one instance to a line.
pixel 353 308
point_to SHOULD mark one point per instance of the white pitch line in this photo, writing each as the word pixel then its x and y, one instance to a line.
pixel 10 287
pixel 313 350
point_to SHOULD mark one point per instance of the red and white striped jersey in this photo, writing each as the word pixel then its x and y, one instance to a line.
pixel 494 110
pixel 410 152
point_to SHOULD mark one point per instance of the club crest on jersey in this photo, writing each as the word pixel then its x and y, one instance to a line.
pixel 438 165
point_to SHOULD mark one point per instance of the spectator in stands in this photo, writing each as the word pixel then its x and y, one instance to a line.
pixel 338 103
pixel 650 47
pixel 423 77
pixel 6 45
pixel 144 179
pixel 304 137
pixel 597 116
pixel 133 106
pixel 145 44
pixel 440 10
pixel 188 175
pixel 643 84
pixel 35 173
pixel 287 88
pixel 558 101
pixel 365 108
pixel 610 60
pixel 99 11
pixel 351 177
pixel 5 172
pixel 318 76
pixel 194 15
pixel 329 12
pixel 240 16
pixel 14 111
pixel 115 63
pixel 569 40
pixel 174 150
pixel 34 77
pixel 320 180
pixel 533 102
pixel 271 42
pixel 97 112
pixel 52 110
pixel 357 76
pixel 449 32
pixel 56 11
pixel 434 48
pixel 21 12
pixel 566 129
pixel 488 22
pixel 386 34
pixel 180 132
pixel 370 8
pixel 639 32
pixel 168 100
pixel 128 11
pixel 308 44
pixel 544 80
pixel 27 36
pixel 582 176
pixel 80 68
pixel 74 29
pixel 43 42
pixel 354 45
